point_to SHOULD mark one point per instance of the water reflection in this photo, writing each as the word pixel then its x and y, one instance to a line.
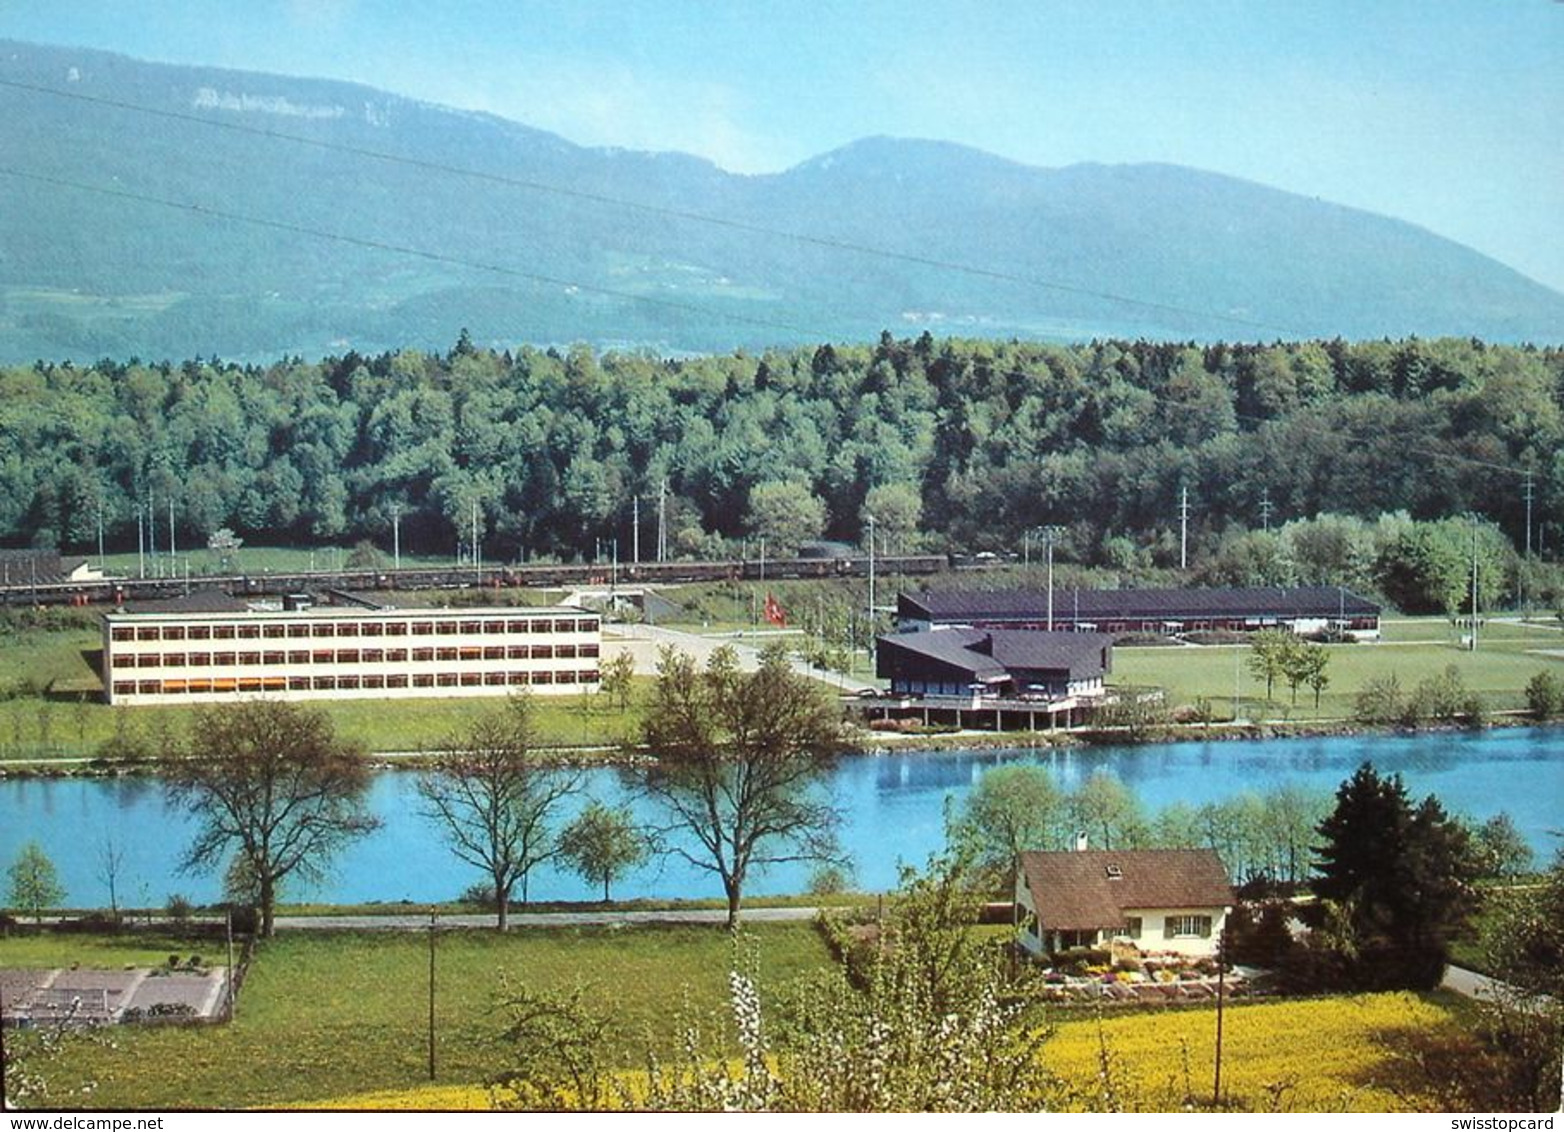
pixel 892 805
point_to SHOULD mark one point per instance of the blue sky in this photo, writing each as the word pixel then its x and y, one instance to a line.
pixel 1446 114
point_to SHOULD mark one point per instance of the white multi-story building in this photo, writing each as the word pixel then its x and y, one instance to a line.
pixel 343 652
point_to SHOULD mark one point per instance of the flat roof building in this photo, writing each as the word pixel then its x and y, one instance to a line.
pixel 203 653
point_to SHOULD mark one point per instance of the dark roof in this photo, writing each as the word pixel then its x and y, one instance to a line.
pixel 1073 891
pixel 200 601
pixel 21 567
pixel 1108 605
pixel 989 653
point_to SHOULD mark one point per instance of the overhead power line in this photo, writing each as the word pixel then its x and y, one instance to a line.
pixel 400 249
pixel 664 211
pixel 570 285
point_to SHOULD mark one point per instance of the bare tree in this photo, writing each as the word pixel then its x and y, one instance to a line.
pixel 269 781
pixel 495 802
pixel 738 762
pixel 111 861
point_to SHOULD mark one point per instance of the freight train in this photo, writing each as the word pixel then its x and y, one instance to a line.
pixel 117 591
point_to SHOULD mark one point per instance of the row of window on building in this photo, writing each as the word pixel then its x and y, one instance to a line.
pixel 353 656
pixel 295 630
pixel 338 683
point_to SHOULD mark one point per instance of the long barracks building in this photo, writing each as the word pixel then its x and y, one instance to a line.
pixel 303 652
pixel 1304 609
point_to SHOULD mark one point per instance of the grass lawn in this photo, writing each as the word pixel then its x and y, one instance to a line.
pixel 52 949
pixel 1317 1055
pixel 1411 649
pixel 69 720
pixel 325 1015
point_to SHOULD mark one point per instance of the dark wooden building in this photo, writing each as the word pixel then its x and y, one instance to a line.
pixel 1302 610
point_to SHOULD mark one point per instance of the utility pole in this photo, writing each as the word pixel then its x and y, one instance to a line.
pixel 1265 510
pixel 228 920
pixel 1050 534
pixel 1183 529
pixel 141 546
pixel 172 553
pixel 5 1060
pixel 635 530
pixel 870 634
pixel 662 520
pixel 1530 496
pixel 432 920
pixel 762 560
pixel 1221 987
pixel 151 531
pixel 1474 583
pixel 100 533
pixel 396 536
pixel 476 560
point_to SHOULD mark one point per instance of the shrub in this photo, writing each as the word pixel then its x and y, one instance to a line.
pixel 179 908
pixel 1381 701
pixel 1544 695
pixel 245 918
pixel 481 896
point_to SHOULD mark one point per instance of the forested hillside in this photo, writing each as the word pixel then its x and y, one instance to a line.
pixel 959 444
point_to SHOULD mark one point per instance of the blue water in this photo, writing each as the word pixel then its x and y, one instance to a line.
pixel 893 808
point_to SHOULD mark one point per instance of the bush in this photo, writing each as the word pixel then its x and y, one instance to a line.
pixel 1076 960
pixel 179 908
pixel 1544 695
pixel 480 896
pixel 245 918
pixel 1381 701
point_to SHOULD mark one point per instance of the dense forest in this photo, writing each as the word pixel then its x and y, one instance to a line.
pixel 950 444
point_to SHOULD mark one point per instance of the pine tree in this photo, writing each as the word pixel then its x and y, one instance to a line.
pixel 1400 875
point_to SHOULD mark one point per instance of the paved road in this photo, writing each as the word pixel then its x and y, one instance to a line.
pixel 644 642
pixel 542 919
pixel 1470 983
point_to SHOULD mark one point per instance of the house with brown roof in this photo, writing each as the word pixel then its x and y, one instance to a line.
pixel 1156 899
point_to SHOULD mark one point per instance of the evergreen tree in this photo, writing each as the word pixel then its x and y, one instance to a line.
pixel 1399 875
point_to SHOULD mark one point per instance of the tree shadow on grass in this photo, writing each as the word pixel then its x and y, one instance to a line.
pixel 1443 1068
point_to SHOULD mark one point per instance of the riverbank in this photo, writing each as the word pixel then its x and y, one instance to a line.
pixel 870 743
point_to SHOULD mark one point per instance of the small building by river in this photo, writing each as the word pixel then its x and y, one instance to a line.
pixel 991 677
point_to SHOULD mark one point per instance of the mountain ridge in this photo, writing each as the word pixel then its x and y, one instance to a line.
pixel 883 232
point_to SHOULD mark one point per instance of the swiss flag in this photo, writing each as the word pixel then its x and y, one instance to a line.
pixel 774 611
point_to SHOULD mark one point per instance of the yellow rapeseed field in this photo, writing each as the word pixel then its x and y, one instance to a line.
pixel 1319 1055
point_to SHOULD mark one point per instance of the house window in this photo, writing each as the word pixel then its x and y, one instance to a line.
pixel 1132 926
pixel 1180 927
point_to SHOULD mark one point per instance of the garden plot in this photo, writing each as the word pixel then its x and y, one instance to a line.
pixel 93 996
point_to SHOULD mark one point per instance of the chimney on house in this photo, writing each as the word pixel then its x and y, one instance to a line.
pixel 1080 841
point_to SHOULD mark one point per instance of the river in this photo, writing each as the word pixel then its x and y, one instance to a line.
pixel 892 805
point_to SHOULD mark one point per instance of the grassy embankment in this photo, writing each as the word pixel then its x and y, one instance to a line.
pixel 1412 649
pixel 342 1017
pixel 327 1014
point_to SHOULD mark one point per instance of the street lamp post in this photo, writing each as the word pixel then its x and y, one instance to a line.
pixel 870 634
